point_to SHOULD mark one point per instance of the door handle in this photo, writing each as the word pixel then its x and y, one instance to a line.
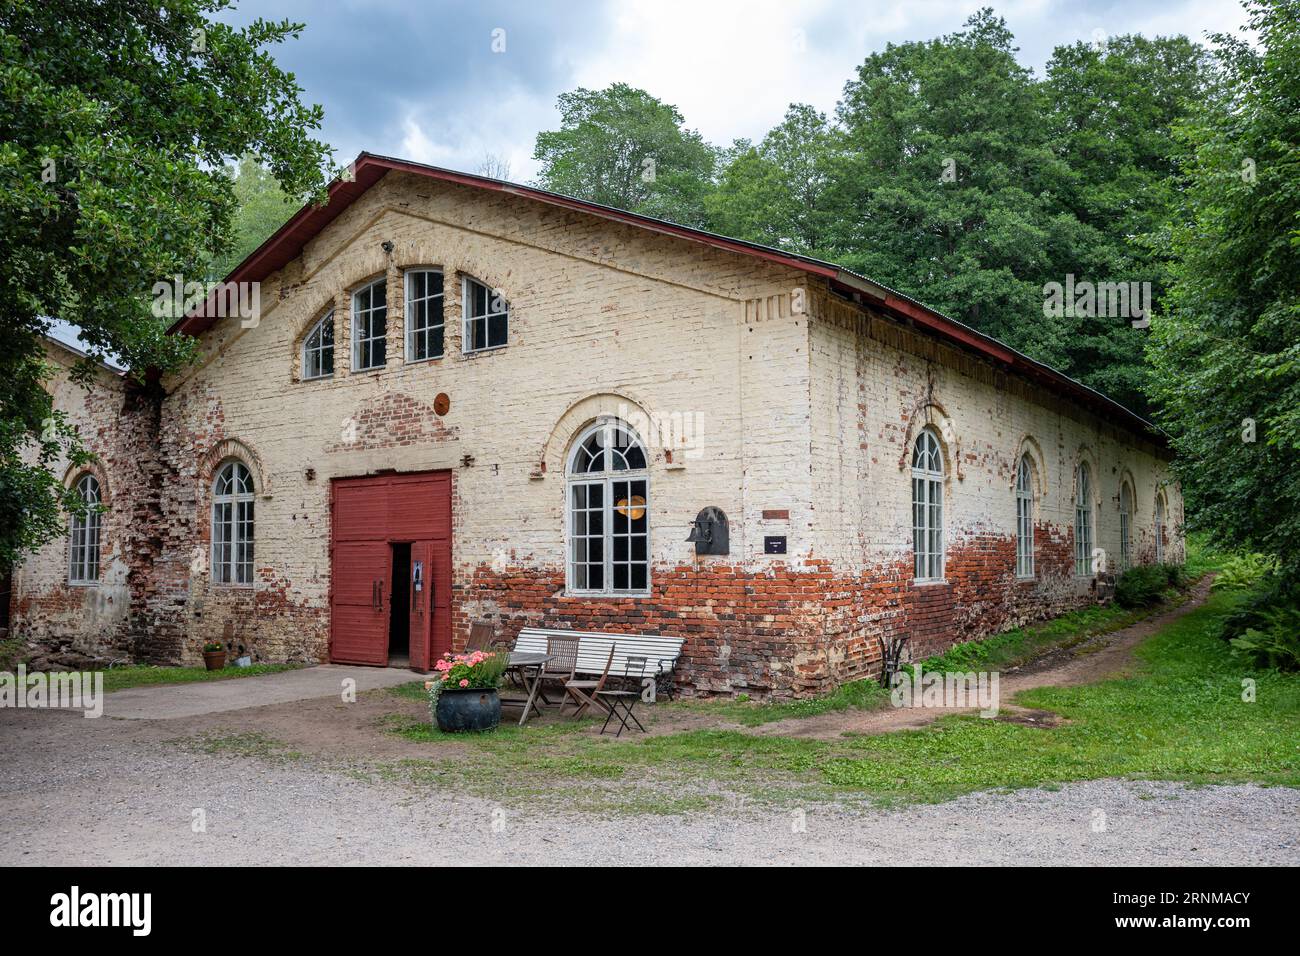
pixel 380 591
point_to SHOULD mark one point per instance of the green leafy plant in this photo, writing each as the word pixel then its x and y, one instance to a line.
pixel 478 670
pixel 1276 643
pixel 212 647
pixel 1244 571
pixel 1148 584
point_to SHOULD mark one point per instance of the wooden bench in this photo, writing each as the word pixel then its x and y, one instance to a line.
pixel 660 653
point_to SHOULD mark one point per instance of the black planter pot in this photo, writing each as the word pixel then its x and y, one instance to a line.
pixel 473 708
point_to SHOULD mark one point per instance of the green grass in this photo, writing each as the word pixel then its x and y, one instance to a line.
pixel 1181 717
pixel 858 694
pixel 139 675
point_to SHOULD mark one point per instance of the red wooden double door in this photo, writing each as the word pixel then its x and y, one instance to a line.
pixel 390 564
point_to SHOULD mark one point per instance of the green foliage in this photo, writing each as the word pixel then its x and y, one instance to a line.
pixel 1244 572
pixel 1276 642
pixel 1226 348
pixel 115 126
pixel 622 147
pixel 852 695
pixel 1146 585
pixel 262 207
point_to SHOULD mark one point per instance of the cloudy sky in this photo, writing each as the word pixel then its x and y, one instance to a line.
pixel 420 79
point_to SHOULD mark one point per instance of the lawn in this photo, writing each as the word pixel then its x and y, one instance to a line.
pixel 139 675
pixel 1181 717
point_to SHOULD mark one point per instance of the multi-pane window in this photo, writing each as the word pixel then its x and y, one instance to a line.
pixel 370 326
pixel 487 317
pixel 232 525
pixel 83 534
pixel 318 349
pixel 927 506
pixel 1083 523
pixel 424 324
pixel 608 512
pixel 1160 529
pixel 1125 526
pixel 1024 519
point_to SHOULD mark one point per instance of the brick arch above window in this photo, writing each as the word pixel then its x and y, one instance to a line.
pixel 75 472
pixel 1086 456
pixel 234 449
pixel 1029 447
pixel 582 413
pixel 930 414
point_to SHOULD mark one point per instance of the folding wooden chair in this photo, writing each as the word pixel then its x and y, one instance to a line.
pixel 563 664
pixel 480 636
pixel 582 693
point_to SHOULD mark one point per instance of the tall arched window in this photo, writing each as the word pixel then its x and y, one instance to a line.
pixel 1125 526
pixel 1024 519
pixel 927 506
pixel 1160 528
pixel 232 525
pixel 608 512
pixel 1083 522
pixel 83 534
pixel 370 326
pixel 318 349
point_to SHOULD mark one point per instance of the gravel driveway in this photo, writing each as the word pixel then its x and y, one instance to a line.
pixel 111 793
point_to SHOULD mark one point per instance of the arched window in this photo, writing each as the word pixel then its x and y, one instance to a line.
pixel 1024 519
pixel 370 326
pixel 1083 523
pixel 927 506
pixel 487 317
pixel 318 349
pixel 608 512
pixel 232 525
pixel 1125 526
pixel 1160 528
pixel 83 534
pixel 424 322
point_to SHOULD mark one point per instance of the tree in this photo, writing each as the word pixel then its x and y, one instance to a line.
pixel 1226 345
pixel 261 207
pixel 622 147
pixel 775 193
pixel 1113 110
pixel 947 185
pixel 117 122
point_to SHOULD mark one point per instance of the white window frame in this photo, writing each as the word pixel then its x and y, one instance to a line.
pixel 1160 528
pixel 1125 526
pixel 84 534
pixel 233 522
pixel 467 320
pixel 928 551
pixel 358 340
pixel 428 328
pixel 606 479
pixel 1025 519
pixel 319 349
pixel 1083 526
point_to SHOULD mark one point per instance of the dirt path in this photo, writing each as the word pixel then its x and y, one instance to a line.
pixel 1101 657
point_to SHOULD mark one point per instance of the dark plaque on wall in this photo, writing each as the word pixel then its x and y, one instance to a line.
pixel 774 544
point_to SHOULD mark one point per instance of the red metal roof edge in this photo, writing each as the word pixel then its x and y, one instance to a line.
pixel 368 168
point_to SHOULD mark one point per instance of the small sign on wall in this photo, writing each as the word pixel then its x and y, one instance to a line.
pixel 774 544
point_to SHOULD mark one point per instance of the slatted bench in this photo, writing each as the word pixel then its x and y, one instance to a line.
pixel 660 653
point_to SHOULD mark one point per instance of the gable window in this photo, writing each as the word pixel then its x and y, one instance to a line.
pixel 232 525
pixel 1024 519
pixel 1083 523
pixel 318 349
pixel 487 317
pixel 927 506
pixel 370 326
pixel 1125 526
pixel 608 512
pixel 1160 529
pixel 424 323
pixel 83 534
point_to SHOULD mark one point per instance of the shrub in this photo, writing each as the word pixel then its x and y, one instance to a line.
pixel 1244 571
pixel 1146 584
pixel 1275 643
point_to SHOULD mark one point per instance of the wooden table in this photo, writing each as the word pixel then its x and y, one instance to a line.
pixel 529 667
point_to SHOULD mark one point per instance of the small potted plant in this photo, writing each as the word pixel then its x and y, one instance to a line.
pixel 214 655
pixel 463 695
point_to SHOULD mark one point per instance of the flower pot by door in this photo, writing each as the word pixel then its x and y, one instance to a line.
pixel 214 660
pixel 474 708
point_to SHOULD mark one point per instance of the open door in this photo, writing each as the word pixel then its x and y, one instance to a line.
pixel 423 592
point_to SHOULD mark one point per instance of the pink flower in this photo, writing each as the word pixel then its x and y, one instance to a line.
pixel 464 683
